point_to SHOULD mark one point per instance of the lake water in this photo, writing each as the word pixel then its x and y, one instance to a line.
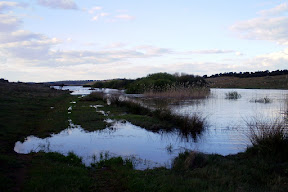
pixel 225 133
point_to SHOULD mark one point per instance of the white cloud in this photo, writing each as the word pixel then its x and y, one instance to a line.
pixel 210 51
pixel 239 53
pixel 124 17
pixel 269 26
pixel 58 4
pixel 95 18
pixel 104 14
pixel 6 5
pixel 94 9
pixel 282 8
pixel 273 29
pixel 20 35
pixel 9 23
pixel 115 45
pixel 32 49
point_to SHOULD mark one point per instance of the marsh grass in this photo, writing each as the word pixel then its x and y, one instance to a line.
pixel 188 124
pixel 268 137
pixel 179 92
pixel 232 95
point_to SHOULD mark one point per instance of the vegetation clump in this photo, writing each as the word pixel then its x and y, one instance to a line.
pixel 233 95
pixel 262 100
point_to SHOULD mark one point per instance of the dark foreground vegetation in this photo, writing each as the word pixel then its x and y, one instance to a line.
pixel 36 110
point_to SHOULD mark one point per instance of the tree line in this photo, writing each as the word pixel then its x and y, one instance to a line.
pixel 249 74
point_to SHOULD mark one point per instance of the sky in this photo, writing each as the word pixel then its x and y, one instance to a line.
pixel 52 40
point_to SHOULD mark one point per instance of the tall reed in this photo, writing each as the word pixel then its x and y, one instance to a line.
pixel 179 92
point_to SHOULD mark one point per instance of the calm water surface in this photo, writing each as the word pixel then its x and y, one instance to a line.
pixel 225 134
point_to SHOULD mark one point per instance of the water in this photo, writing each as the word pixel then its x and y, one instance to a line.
pixel 226 133
pixel 79 90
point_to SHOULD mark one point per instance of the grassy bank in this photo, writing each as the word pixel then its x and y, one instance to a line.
pixel 268 82
pixel 26 109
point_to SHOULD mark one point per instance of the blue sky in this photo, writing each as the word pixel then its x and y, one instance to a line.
pixel 50 40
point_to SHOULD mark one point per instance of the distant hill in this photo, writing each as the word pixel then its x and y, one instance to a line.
pixel 266 82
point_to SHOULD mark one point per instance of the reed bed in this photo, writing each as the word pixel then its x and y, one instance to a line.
pixel 179 92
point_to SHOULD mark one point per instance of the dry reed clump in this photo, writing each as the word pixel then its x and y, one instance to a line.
pixel 195 160
pixel 94 96
pixel 190 160
pixel 179 92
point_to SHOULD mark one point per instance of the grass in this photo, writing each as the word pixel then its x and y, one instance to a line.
pixel 232 95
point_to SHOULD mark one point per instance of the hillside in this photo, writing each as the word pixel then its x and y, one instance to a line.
pixel 267 82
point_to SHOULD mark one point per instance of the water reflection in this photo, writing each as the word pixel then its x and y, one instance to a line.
pixel 122 138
